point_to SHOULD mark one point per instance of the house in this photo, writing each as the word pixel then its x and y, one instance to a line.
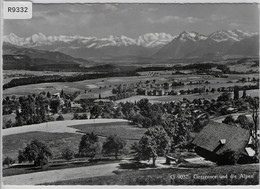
pixel 216 138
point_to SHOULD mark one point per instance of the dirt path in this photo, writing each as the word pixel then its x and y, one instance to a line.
pixel 59 175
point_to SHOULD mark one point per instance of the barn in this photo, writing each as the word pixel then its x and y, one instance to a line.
pixel 217 138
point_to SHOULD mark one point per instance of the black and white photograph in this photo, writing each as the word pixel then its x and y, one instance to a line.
pixel 131 94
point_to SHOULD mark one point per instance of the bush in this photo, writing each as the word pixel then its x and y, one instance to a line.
pixel 75 116
pixel 67 153
pixel 7 123
pixel 8 161
pixel 60 118
pixel 228 158
pixel 84 116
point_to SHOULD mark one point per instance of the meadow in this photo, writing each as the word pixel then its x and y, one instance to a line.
pixel 128 132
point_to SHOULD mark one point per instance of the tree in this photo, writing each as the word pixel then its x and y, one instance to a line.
pixel 95 111
pixel 75 116
pixel 89 145
pixel 62 93
pixel 60 118
pixel 67 153
pixel 145 107
pixel 37 152
pixel 254 103
pixel 229 120
pixel 224 97
pixel 236 93
pixel 55 105
pixel 48 95
pixel 113 144
pixel 228 157
pixel 8 161
pixel 154 142
pixel 243 122
pixel 244 94
pixel 7 123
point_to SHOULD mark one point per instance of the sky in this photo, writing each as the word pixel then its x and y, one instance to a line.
pixel 133 20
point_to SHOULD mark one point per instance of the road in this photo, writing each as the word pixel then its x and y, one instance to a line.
pixel 59 175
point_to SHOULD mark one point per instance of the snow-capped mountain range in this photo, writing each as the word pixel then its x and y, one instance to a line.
pixel 186 44
pixel 149 40
pixel 146 40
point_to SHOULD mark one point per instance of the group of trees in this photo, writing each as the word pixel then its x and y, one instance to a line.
pixel 90 145
pixel 161 140
pixel 39 153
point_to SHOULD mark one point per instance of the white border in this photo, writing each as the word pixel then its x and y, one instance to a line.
pixel 106 1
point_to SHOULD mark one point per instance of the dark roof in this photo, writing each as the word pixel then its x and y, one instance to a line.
pixel 209 138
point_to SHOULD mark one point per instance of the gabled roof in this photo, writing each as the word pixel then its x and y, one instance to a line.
pixel 210 136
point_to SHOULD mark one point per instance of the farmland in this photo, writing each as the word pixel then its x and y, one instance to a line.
pixel 61 134
pixel 104 86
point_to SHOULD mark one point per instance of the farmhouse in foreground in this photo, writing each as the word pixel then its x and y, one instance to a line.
pixel 218 138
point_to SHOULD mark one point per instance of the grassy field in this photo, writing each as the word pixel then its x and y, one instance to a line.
pixel 222 175
pixel 129 132
pixel 56 142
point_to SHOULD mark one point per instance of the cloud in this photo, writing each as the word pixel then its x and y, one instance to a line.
pixel 170 18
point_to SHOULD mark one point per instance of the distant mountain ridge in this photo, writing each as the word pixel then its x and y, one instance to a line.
pixel 219 43
pixel 159 45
